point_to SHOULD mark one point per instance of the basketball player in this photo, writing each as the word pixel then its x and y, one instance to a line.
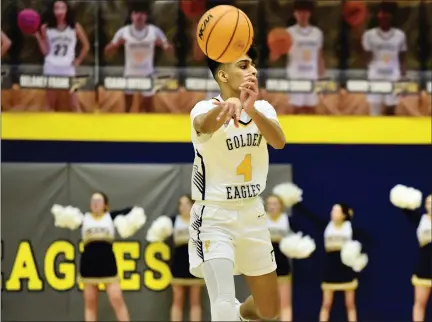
pixel 385 49
pixel 228 230
pixel 57 41
pixel 139 40
pixel 305 58
pixel 5 43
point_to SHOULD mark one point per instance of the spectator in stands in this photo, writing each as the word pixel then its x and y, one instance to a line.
pixel 5 43
pixel 305 59
pixel 139 39
pixel 57 41
pixel 385 48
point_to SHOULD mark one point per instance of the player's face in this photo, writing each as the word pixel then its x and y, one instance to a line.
pixel 337 214
pixel 60 10
pixel 273 206
pixel 184 206
pixel 97 203
pixel 238 70
pixel 384 19
pixel 302 16
pixel 428 204
pixel 139 19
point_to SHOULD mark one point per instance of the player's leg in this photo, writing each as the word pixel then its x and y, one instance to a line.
pixel 375 104
pixel 310 103
pixel 326 305
pixel 421 298
pixel 255 259
pixel 390 102
pixel 115 296
pixel 285 292
pixel 211 255
pixel 91 294
pixel 178 296
pixel 297 102
pixel 146 103
pixel 129 100
pixel 195 312
pixel 351 305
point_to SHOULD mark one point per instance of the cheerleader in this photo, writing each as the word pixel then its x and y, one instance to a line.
pixel 281 226
pixel 57 41
pixel 5 43
pixel 183 280
pixel 409 200
pixel 139 39
pixel 343 254
pixel 98 262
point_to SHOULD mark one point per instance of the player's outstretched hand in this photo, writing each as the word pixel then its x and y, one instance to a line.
pixel 229 109
pixel 249 92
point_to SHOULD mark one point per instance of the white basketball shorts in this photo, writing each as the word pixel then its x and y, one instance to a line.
pixel 302 100
pixel 239 235
pixel 58 70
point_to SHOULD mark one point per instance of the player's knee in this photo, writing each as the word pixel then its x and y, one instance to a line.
pixel 224 309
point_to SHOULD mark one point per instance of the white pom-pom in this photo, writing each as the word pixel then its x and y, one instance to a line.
pixel 350 252
pixel 405 197
pixel 305 247
pixel 288 245
pixel 289 193
pixel 160 229
pixel 67 217
pixel 360 263
pixel 124 228
pixel 136 217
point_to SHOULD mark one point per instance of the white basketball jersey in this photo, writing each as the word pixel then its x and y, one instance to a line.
pixel 385 47
pixel 139 49
pixel 304 53
pixel 424 230
pixel 97 228
pixel 279 227
pixel 181 231
pixel 61 46
pixel 336 237
pixel 232 163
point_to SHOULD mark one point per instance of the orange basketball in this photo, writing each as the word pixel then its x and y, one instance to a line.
pixel 279 41
pixel 224 33
pixel 354 12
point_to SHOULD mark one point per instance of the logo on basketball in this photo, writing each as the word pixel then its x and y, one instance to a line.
pixel 204 26
pixel 240 45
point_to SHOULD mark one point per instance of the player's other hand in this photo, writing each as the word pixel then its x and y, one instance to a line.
pixel 120 42
pixel 249 92
pixel 231 108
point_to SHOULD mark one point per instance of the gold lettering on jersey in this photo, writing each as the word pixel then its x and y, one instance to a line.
pixel 243 140
pixel 243 191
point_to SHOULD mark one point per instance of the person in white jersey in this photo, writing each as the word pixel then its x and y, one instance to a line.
pixel 98 263
pixel 5 43
pixel 422 277
pixel 305 58
pixel 139 39
pixel 57 41
pixel 228 229
pixel 385 48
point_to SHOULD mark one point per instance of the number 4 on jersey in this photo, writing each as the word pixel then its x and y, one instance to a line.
pixel 245 168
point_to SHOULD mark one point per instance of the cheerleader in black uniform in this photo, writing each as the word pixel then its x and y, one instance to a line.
pixel 182 280
pixel 343 260
pixel 409 200
pixel 281 226
pixel 98 262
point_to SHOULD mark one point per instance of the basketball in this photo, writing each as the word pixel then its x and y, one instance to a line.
pixel 224 33
pixel 192 8
pixel 279 41
pixel 29 21
pixel 354 13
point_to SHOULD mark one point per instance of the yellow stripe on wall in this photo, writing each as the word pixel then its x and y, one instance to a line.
pixel 176 128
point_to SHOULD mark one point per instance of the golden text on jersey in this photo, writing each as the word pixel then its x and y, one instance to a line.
pixel 232 163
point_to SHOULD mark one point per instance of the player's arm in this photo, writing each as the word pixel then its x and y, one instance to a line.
pixel 402 56
pixel 5 43
pixel 85 45
pixel 41 37
pixel 115 43
pixel 208 117
pixel 321 60
pixel 367 47
pixel 162 41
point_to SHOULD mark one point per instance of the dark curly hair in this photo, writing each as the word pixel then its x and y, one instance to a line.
pixel 50 19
